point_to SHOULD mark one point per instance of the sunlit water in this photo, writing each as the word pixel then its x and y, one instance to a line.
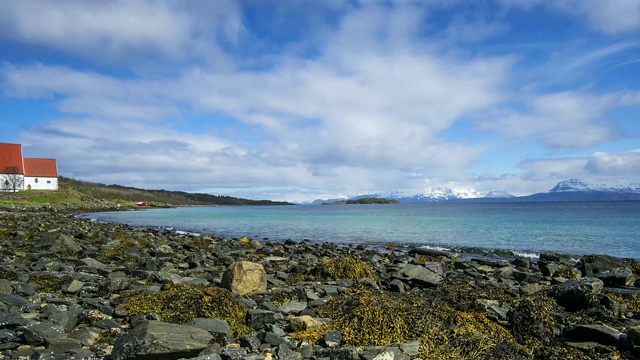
pixel 502 229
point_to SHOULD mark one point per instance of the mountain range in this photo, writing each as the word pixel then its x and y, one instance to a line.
pixel 567 190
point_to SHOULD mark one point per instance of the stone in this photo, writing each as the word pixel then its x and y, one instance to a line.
pixel 37 334
pixel 292 306
pixel 250 342
pixel 611 270
pixel 233 354
pixel 284 352
pixel 245 278
pixel 633 333
pixel 74 287
pixel 599 333
pixel 158 340
pixel 304 322
pixel 92 263
pixel 332 339
pixel 577 294
pixel 218 328
pixel 419 275
pixel 63 243
pixel 258 318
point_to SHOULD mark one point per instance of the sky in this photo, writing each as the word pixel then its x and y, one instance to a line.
pixel 298 100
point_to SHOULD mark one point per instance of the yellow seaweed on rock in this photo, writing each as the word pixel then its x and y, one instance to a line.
pixel 379 318
pixel 347 268
pixel 182 303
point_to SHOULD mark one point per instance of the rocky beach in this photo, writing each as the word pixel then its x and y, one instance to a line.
pixel 72 288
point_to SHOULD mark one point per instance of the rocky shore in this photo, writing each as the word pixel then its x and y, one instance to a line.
pixel 76 289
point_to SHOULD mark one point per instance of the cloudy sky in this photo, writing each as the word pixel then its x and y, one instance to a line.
pixel 298 100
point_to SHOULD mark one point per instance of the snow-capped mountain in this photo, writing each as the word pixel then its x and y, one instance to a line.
pixel 577 190
pixel 567 190
pixel 581 186
pixel 436 194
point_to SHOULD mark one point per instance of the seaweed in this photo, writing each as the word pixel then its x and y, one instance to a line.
pixel 178 303
pixel 347 268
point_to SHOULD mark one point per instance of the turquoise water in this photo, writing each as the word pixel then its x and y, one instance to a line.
pixel 503 229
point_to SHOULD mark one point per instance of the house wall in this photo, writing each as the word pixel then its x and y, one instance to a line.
pixel 4 187
pixel 40 183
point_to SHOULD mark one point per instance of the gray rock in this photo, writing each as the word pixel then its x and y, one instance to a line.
pixel 12 300
pixel 63 243
pixel 419 275
pixel 601 334
pixel 345 353
pixel 634 335
pixel 37 334
pixel 611 270
pixel 158 340
pixel 218 328
pixel 332 339
pixel 257 318
pixel 577 294
pixel 74 287
pixel 233 354
pixel 250 342
pixel 292 307
pixel 92 263
pixel 283 352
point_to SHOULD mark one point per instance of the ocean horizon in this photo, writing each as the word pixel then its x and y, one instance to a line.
pixel 504 230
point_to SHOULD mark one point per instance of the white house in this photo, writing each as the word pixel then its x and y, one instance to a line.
pixel 19 173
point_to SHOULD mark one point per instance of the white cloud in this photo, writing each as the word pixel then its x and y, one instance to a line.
pixel 123 31
pixel 611 17
pixel 569 119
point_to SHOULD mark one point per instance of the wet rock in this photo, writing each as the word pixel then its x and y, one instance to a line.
pixel 37 334
pixel 233 354
pixel 283 352
pixel 633 334
pixel 332 339
pixel 218 328
pixel 158 340
pixel 611 270
pixel 250 342
pixel 304 322
pixel 245 278
pixel 578 294
pixel 601 334
pixel 292 307
pixel 258 318
pixel 419 275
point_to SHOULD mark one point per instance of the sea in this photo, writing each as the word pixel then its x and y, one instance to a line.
pixel 495 230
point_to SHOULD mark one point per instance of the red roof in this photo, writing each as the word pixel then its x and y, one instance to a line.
pixel 11 156
pixel 40 167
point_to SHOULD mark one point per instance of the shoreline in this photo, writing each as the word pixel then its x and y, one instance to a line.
pixel 97 274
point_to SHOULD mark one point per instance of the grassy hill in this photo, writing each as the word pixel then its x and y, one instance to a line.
pixel 82 194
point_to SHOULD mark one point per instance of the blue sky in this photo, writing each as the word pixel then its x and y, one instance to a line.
pixel 297 100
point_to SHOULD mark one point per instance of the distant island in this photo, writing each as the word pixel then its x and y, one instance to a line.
pixel 367 200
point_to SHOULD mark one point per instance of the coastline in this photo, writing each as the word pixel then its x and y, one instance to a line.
pixel 55 262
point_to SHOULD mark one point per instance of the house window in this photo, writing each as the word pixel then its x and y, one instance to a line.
pixel 36 180
pixel 48 181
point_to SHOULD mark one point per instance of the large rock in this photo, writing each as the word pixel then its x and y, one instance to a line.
pixel 162 341
pixel 599 333
pixel 611 270
pixel 419 275
pixel 245 278
pixel 578 294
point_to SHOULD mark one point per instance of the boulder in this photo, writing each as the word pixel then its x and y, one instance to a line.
pixel 245 278
pixel 419 275
pixel 599 333
pixel 162 341
pixel 577 294
pixel 611 270
pixel 634 335
pixel 220 329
